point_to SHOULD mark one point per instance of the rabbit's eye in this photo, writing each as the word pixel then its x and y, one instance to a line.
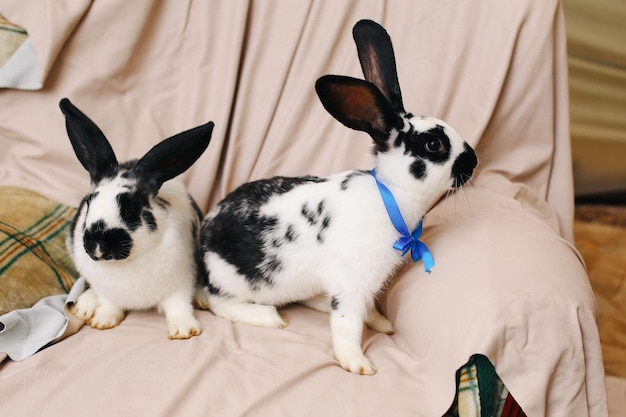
pixel 434 145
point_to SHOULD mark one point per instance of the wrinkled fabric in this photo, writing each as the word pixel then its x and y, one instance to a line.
pixel 508 282
pixel 24 332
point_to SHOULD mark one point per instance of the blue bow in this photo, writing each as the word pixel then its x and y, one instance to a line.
pixel 408 241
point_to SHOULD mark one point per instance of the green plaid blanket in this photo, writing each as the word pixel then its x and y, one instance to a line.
pixel 481 393
pixel 34 262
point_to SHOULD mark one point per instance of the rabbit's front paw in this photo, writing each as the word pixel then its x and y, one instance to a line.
pixel 86 305
pixel 107 316
pixel 357 364
pixel 183 328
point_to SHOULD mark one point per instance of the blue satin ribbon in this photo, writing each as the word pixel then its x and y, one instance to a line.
pixel 408 241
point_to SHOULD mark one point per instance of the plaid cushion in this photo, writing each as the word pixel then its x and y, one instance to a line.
pixel 11 38
pixel 34 262
pixel 480 392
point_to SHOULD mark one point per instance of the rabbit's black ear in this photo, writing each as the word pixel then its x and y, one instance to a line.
pixel 92 148
pixel 174 155
pixel 359 105
pixel 378 60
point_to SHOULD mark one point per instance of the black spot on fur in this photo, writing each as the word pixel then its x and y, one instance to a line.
pixel 149 220
pixel 237 231
pixel 416 143
pixel 109 244
pixel 343 186
pixel 418 169
pixel 135 210
pixel 323 227
pixel 291 234
pixel 89 197
pixel 272 265
pixel 432 145
pixel 464 165
pixel 84 202
pixel 310 215
pixel 313 215
pixel 130 208
pixel 334 303
pixel 214 290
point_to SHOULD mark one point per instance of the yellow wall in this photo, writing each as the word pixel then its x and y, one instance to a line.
pixel 596 33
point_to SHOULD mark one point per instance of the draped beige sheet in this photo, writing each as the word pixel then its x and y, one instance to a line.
pixel 508 283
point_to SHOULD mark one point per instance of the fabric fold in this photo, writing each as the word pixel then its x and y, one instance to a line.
pixel 24 332
pixel 48 23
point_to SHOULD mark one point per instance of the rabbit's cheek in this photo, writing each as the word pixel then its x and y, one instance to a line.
pixel 418 169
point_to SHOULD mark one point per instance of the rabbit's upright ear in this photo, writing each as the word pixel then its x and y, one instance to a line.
pixel 378 60
pixel 174 155
pixel 359 105
pixel 92 148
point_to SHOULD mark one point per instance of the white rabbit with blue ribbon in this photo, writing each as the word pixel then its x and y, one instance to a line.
pixel 332 243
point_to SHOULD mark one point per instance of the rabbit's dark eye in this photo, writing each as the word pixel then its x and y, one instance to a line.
pixel 434 145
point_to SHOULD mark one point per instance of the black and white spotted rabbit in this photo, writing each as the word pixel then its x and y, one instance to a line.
pixel 328 242
pixel 135 236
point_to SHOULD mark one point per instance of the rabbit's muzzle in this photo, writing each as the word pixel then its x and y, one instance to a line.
pixel 463 167
pixel 101 243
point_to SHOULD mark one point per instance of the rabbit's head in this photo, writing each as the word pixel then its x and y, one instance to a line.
pixel 413 152
pixel 119 212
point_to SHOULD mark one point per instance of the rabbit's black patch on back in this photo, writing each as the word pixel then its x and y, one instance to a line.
pixel 238 231
pixel 101 242
pixel 464 165
pixel 334 303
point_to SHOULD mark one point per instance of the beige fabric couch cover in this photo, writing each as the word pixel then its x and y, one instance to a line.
pixel 508 282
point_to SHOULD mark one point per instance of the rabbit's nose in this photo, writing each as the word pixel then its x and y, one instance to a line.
pixel 463 167
pixel 106 244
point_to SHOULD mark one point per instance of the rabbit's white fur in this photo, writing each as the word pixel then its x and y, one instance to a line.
pixel 159 272
pixel 135 236
pixel 353 262
pixel 329 242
